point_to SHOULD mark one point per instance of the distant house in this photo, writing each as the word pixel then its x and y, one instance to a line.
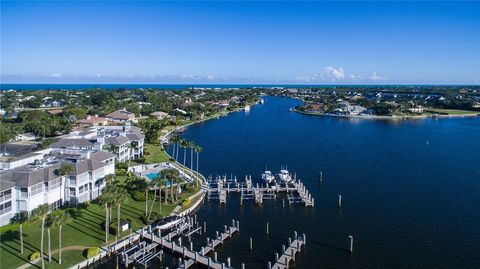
pixel 121 116
pixel 25 137
pixel 55 111
pixel 159 115
pixel 94 120
pixel 349 110
pixel 180 111
pixel 417 109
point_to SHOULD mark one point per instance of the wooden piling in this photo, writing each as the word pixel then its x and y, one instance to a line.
pixel 339 201
pixel 251 244
pixel 267 228
pixel 351 243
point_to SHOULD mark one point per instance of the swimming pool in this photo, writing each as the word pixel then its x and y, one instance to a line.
pixel 152 175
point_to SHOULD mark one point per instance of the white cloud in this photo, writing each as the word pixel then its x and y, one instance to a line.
pixel 376 77
pixel 56 75
pixel 334 73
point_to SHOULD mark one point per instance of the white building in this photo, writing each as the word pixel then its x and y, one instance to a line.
pixel 28 186
pixel 127 141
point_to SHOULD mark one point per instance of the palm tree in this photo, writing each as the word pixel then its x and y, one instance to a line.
pixel 42 212
pixel 65 169
pixel 120 195
pixel 106 200
pixel 174 140
pixel 20 218
pixel 61 219
pixel 49 222
pixel 198 149
pixel 184 144
pixel 131 147
pixel 191 145
pixel 153 184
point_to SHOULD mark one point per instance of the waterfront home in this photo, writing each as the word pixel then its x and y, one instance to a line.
pixel 159 115
pixel 349 110
pixel 121 116
pixel 28 186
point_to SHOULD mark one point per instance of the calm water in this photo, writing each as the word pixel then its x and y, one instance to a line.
pixel 411 189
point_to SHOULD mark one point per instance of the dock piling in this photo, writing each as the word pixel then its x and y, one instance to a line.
pixel 267 228
pixel 351 243
pixel 339 200
pixel 251 244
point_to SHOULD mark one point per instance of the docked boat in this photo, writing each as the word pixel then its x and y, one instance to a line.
pixel 261 101
pixel 168 222
pixel 284 176
pixel 247 108
pixel 268 177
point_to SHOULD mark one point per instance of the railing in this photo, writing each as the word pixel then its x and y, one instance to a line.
pixel 6 197
pixel 5 210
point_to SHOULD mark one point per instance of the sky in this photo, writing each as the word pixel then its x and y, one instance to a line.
pixel 226 42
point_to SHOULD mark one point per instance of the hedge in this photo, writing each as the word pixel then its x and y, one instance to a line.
pixel 35 255
pixel 92 252
pixel 138 196
pixel 186 202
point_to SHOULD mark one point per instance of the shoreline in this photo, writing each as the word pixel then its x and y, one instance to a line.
pixel 376 117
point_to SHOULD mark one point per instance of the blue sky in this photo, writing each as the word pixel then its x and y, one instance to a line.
pixel 240 42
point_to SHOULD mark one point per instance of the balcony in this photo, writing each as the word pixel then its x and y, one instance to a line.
pixel 6 197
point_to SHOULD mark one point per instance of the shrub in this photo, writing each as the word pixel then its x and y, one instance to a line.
pixel 138 196
pixel 92 252
pixel 121 172
pixel 186 202
pixel 35 255
pixel 191 187
pixel 153 217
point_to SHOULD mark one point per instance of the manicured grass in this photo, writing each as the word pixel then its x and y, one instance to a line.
pixel 154 154
pixel 86 230
pixel 453 112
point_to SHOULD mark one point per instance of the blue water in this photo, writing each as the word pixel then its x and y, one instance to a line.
pixel 152 175
pixel 411 189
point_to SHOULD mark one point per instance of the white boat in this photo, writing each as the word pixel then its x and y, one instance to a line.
pixel 247 108
pixel 168 222
pixel 262 101
pixel 268 177
pixel 284 176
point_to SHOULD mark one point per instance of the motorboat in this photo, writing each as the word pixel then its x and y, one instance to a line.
pixel 168 222
pixel 268 177
pixel 284 176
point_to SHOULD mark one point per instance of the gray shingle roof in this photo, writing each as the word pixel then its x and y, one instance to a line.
pixel 5 185
pixel 73 142
pixel 117 141
pixel 101 155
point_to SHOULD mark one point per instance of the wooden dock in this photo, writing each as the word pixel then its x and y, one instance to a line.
pixel 188 255
pixel 288 253
pixel 296 191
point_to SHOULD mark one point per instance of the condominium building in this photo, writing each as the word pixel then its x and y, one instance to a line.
pixel 25 187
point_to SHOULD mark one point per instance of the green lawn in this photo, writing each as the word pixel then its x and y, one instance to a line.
pixel 453 112
pixel 154 154
pixel 85 230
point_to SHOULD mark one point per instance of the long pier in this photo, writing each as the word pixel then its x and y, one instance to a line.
pixel 221 186
pixel 144 251
pixel 289 252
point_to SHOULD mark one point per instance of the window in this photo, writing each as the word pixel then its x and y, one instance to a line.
pixel 83 189
pixel 6 195
pixel 37 188
pixel 4 208
pixel 55 183
pixel 72 191
pixel 24 192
